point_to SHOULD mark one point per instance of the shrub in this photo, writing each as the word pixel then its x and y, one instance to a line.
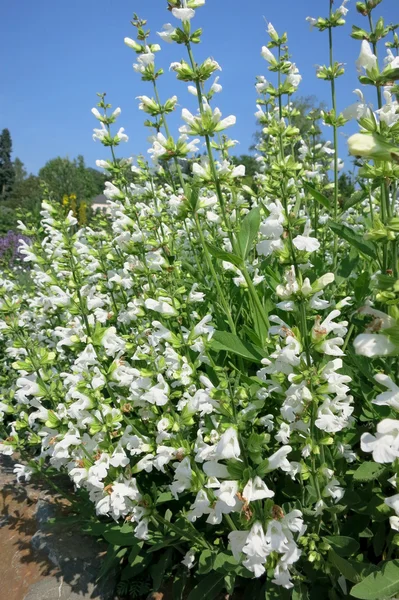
pixel 210 365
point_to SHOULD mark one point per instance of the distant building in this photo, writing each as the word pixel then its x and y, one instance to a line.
pixel 100 204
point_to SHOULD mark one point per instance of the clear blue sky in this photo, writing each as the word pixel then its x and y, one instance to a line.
pixel 57 54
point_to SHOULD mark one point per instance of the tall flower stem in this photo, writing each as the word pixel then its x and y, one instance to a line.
pixel 219 193
pixel 207 255
pixel 335 137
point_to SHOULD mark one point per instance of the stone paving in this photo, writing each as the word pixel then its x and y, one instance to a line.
pixel 38 561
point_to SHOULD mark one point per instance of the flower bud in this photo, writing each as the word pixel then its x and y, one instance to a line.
pixel 372 146
pixel 132 44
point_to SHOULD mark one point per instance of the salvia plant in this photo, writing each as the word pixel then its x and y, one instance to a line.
pixel 214 364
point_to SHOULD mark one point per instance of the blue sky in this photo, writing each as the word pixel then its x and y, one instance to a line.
pixel 58 54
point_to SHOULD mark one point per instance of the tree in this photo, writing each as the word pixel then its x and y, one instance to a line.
pixel 304 107
pixel 7 173
pixel 346 186
pixel 26 198
pixel 19 169
pixel 65 177
pixel 250 163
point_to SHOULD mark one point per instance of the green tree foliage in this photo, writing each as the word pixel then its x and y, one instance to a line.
pixel 19 169
pixel 26 198
pixel 346 186
pixel 249 162
pixel 7 173
pixel 305 108
pixel 8 219
pixel 64 177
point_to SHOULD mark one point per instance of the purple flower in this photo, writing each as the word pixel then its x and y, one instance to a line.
pixel 9 247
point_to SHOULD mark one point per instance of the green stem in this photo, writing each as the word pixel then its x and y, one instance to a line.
pixel 335 134
pixel 214 275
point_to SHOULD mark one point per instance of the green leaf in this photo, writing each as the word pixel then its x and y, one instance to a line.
pixel 119 537
pixel 205 563
pixel 235 468
pixel 208 588
pixel 139 564
pixel 344 567
pixel 300 593
pixel 248 231
pixel 164 497
pixel 225 562
pixel 192 194
pixel 158 570
pixel 134 553
pixel 229 583
pixel 112 558
pixel 316 194
pixel 368 471
pixel 344 546
pixel 262 468
pixel 379 538
pixel 179 584
pixel 355 240
pixel 223 340
pixel 222 255
pixel 357 197
pixel 166 541
pixel 381 584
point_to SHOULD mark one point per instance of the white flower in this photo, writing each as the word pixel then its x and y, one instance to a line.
pixel 182 480
pixel 342 10
pixel 278 460
pixel 121 136
pixel 373 344
pixel 261 85
pixel 267 55
pixel 157 394
pixel 390 398
pixel 393 502
pixel 256 549
pixel 111 191
pixel 216 87
pixel 256 489
pixel 312 21
pixel 367 60
pixel 22 472
pixel 184 14
pixel 293 76
pixel 385 444
pixel 334 490
pixel 305 242
pixel 167 33
pixel 6 449
pixel 200 507
pixel 357 110
pixel 189 559
pixel 237 540
pixel 389 112
pixel 228 445
pixel 97 113
pixel 112 343
pixel 144 60
pixel 195 296
pixel 160 306
pixel 100 134
pixel 211 120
